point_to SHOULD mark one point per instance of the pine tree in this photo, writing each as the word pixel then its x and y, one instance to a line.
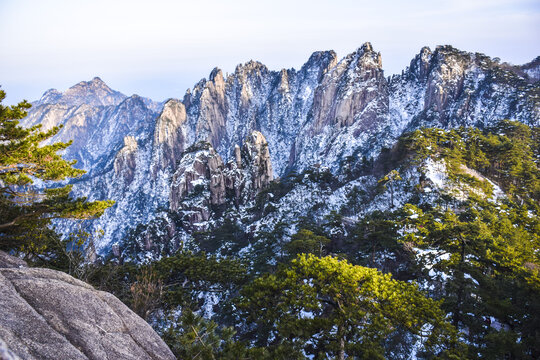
pixel 389 180
pixel 327 307
pixel 307 242
pixel 26 211
pixel 486 256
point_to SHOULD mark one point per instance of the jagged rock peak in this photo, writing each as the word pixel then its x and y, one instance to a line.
pixel 50 96
pixel 444 52
pixel 347 91
pixel 425 51
pixel 448 49
pixel 173 109
pixel 216 75
pixel 367 57
pixel 217 82
pixel 366 47
pixel 322 56
pixel 134 101
pixel 320 61
pixel 96 84
pixel 419 66
pixel 171 118
pixel 97 80
pixel 250 67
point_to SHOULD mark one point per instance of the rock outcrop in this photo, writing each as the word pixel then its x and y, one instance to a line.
pixel 124 163
pixel 349 89
pixel 200 168
pixel 169 136
pixel 202 180
pixel 47 314
pixel 256 158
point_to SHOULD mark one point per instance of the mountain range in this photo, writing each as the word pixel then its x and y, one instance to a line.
pixel 185 166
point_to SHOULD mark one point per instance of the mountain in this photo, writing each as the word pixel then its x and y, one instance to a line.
pixel 183 166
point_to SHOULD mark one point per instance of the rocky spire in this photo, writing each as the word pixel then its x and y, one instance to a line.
pixel 257 160
pixel 200 169
pixel 445 80
pixel 169 136
pixel 320 61
pixel 125 160
pixel 211 120
pixel 420 64
pixel 348 89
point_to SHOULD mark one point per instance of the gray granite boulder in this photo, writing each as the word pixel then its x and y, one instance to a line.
pixel 47 314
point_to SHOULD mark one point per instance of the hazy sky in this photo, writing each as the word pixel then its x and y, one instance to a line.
pixel 159 48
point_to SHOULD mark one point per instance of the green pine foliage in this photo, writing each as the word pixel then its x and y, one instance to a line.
pixel 186 275
pixel 388 181
pixel 507 153
pixel 194 337
pixel 228 237
pixel 487 254
pixel 375 234
pixel 306 242
pixel 327 307
pixel 480 255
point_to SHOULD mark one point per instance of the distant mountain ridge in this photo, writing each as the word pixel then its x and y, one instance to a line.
pixel 326 113
pixel 94 93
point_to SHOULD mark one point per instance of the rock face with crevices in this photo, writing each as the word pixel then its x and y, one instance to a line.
pixel 202 179
pixel 47 314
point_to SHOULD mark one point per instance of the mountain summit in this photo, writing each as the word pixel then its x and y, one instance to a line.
pixel 94 92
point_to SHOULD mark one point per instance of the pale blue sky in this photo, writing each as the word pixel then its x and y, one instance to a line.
pixel 159 48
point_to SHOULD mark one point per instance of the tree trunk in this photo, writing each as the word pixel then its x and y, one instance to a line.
pixel 341 336
pixel 457 313
pixel 392 194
